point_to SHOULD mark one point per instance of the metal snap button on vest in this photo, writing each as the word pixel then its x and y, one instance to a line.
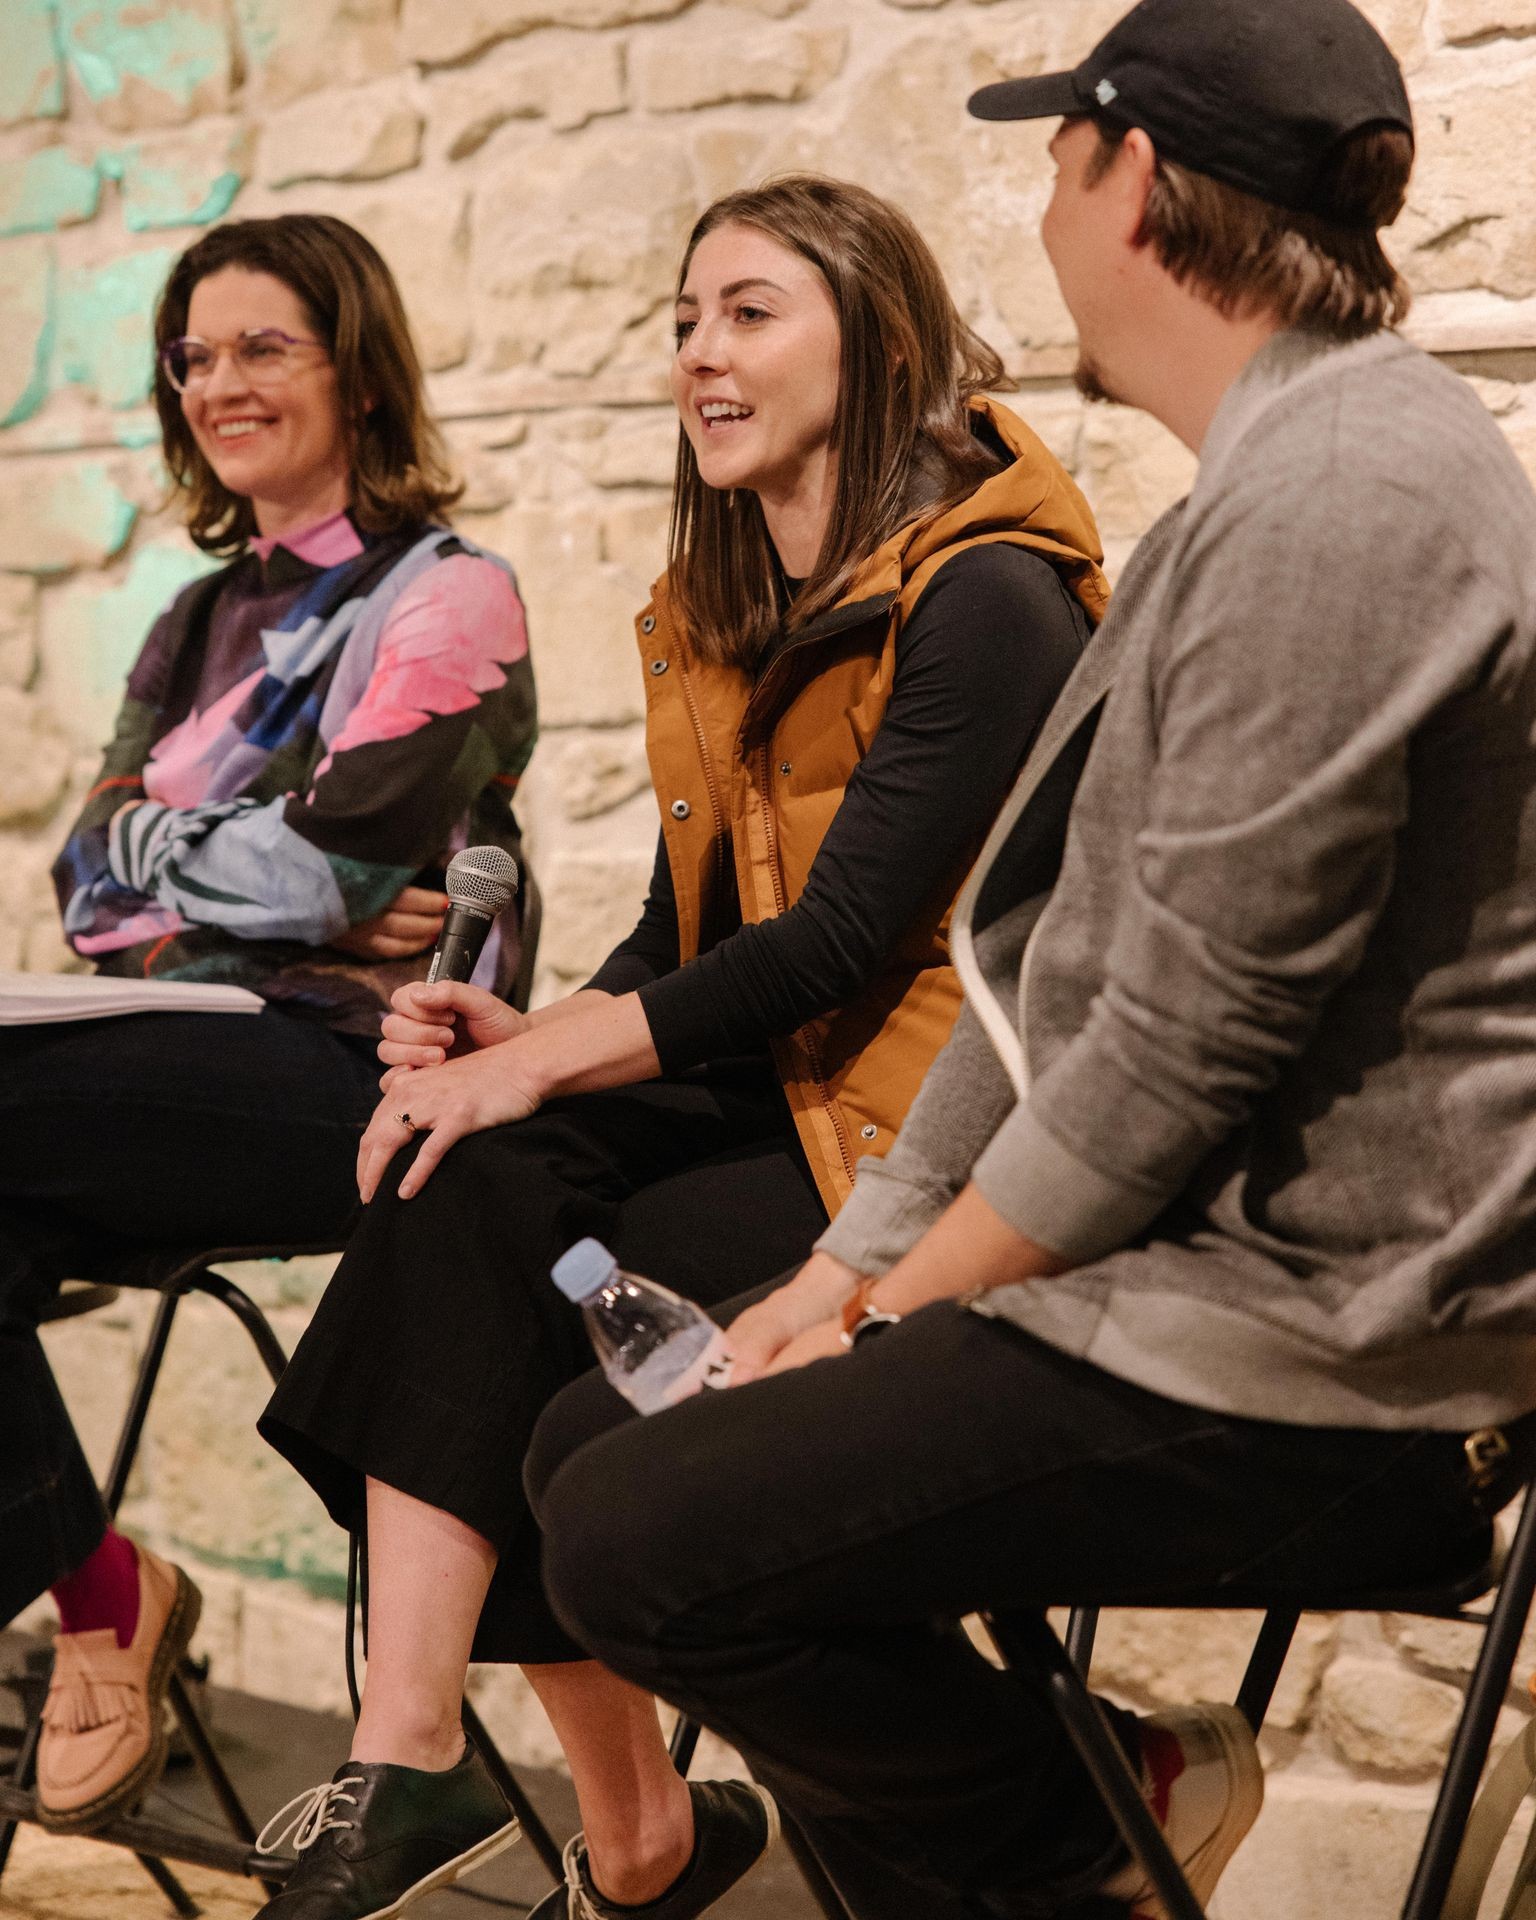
pixel 869 1132
pixel 785 767
pixel 658 666
pixel 648 624
pixel 681 809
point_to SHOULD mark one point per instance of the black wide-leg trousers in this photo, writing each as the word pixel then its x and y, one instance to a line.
pixel 785 1562
pixel 151 1130
pixel 442 1336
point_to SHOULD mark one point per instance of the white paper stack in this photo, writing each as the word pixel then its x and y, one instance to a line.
pixel 31 997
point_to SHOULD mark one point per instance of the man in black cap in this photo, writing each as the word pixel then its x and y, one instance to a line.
pixel 1204 1258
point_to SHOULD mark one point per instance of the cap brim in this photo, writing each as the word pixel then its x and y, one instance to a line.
pixel 1045 96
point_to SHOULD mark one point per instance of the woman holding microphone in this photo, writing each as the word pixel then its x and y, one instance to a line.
pixel 878 582
pixel 307 733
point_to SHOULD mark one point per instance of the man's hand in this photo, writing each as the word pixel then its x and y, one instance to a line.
pixel 409 924
pixel 443 1104
pixel 442 1022
pixel 764 1336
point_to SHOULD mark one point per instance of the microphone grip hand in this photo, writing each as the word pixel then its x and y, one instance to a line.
pixel 430 1024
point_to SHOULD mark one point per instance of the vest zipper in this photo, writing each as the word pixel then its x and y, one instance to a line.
pixel 805 1036
pixel 715 808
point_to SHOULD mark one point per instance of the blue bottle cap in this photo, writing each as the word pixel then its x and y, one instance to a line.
pixel 580 1271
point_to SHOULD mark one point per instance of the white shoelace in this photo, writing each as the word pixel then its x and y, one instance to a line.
pixel 311 1815
pixel 578 1907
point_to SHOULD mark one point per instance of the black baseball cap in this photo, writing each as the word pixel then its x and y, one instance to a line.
pixel 1255 93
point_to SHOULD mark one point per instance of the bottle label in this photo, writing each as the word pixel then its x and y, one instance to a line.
pixel 710 1367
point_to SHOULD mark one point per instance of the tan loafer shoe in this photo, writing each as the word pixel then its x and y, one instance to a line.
pixel 104 1740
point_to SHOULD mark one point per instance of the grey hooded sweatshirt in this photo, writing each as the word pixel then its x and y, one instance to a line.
pixel 1262 1061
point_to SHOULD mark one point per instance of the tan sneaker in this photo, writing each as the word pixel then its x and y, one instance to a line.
pixel 1201 1773
pixel 104 1740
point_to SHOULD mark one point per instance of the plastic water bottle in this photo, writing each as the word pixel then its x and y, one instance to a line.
pixel 655 1347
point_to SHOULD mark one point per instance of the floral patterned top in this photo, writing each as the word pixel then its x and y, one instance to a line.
pixel 305 732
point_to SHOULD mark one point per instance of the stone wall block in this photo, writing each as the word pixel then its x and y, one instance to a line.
pixel 634 536
pixel 18 630
pixel 551 284
pixel 55 516
pixel 567 79
pixel 1132 470
pixel 639 449
pixel 1401 24
pixel 437 35
pixel 34 759
pixel 32 72
pixel 1380 1715
pixel 1471 215
pixel 596 771
pixel 294 47
pixel 514 1719
pixel 355 133
pixel 184 179
pixel 1325 1846
pixel 1161 1657
pixel 715 55
pixel 149 66
pixel 47 189
pixel 593 901
pixel 421 226
pixel 28 284
pixel 1466 21
pixel 93 1358
pixel 292 1647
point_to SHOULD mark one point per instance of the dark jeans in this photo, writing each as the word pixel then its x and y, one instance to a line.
pixel 442 1338
pixel 785 1561
pixel 149 1130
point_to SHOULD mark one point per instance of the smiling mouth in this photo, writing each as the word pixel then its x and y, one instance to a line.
pixel 719 415
pixel 238 429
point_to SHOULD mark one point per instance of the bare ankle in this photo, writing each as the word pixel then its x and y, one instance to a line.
pixel 637 1866
pixel 402 1738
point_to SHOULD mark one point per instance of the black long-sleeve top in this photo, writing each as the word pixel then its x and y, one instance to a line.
pixel 979 662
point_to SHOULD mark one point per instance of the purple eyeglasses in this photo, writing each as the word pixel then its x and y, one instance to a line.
pixel 264 357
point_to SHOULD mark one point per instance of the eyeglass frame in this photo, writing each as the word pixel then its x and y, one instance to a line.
pixel 221 346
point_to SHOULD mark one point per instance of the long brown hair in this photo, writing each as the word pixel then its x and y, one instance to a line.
pixel 1327 270
pixel 908 365
pixel 400 471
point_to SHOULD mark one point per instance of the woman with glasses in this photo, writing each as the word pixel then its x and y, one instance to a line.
pixel 307 735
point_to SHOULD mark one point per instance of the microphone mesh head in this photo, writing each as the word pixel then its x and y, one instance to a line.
pixel 483 877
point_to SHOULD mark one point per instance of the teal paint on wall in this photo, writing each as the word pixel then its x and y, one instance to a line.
pixel 37 305
pixel 75 514
pixel 170 194
pixel 47 190
pixel 172 49
pixel 105 338
pixel 96 635
pixel 32 70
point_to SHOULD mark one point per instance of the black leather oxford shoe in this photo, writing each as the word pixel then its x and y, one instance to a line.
pixel 375 1838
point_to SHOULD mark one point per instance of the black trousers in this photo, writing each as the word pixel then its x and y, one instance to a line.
pixel 442 1337
pixel 149 1130
pixel 785 1562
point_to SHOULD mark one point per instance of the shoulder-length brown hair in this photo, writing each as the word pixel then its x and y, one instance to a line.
pixel 400 471
pixel 901 431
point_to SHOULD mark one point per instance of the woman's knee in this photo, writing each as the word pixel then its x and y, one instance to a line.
pixel 583 1411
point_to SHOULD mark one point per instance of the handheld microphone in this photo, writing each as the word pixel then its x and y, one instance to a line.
pixel 480 881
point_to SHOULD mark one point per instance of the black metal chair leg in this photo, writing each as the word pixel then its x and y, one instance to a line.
pixel 1265 1664
pixel 1082 1631
pixel 534 1830
pixel 1027 1643
pixel 138 1405
pixel 182 1903
pixel 1474 1734
pixel 220 1785
pixel 220 1287
pixel 22 1775
pixel 684 1743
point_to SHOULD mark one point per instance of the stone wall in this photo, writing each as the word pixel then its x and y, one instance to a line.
pixel 530 167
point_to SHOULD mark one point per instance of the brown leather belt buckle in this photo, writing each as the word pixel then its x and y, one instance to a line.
pixel 1487 1453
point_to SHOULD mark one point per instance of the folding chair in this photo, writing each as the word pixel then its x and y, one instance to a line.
pixel 1026 1640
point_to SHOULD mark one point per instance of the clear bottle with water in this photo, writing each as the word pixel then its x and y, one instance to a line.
pixel 655 1347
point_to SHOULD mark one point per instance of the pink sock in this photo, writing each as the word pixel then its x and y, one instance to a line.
pixel 103 1591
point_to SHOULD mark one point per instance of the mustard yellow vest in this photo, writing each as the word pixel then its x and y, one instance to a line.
pixel 749 775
